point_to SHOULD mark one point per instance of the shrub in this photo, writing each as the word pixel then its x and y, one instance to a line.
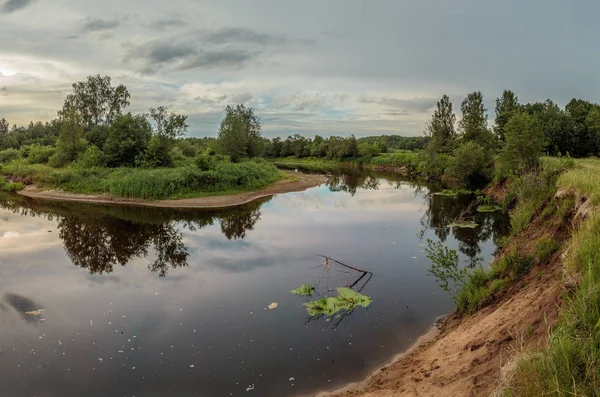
pixel 8 155
pixel 468 166
pixel 57 160
pixel 91 157
pixel 516 264
pixel 38 154
pixel 545 248
pixel 204 162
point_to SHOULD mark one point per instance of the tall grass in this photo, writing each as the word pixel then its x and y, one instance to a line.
pixel 583 179
pixel 159 183
pixel 570 363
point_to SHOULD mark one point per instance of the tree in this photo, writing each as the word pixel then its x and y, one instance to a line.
pixel 240 133
pixel 71 139
pixel 167 128
pixel 168 125
pixel 4 126
pixel 592 123
pixel 473 124
pixel 468 166
pixel 97 100
pixel 505 108
pixel 524 142
pixel 127 140
pixel 441 127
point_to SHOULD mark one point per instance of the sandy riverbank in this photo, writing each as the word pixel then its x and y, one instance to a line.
pixel 296 182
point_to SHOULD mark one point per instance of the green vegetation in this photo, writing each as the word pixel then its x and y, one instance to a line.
pixel 303 290
pixel 488 208
pixel 346 300
pixel 545 248
pixel 94 147
pixel 569 365
pixel 187 181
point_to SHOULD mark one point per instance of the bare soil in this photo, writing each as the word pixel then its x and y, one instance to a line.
pixel 295 182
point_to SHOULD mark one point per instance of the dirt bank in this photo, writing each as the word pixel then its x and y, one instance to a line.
pixel 295 182
pixel 467 356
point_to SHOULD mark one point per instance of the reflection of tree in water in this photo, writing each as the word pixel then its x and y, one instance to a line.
pixel 351 182
pixel 99 238
pixel 443 211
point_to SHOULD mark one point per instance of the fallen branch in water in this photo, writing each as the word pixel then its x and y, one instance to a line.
pixel 343 264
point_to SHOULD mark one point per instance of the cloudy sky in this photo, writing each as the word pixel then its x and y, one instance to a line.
pixel 313 66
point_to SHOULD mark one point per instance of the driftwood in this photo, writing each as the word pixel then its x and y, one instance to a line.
pixel 343 264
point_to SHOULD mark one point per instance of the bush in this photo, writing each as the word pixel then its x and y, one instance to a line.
pixel 38 154
pixel 515 264
pixel 57 160
pixel 8 155
pixel 91 157
pixel 545 248
pixel 204 162
pixel 468 166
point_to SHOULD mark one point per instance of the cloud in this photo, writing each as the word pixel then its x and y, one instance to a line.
pixel 15 5
pixel 217 59
pixel 95 25
pixel 242 98
pixel 184 56
pixel 206 100
pixel 299 101
pixel 167 23
pixel 242 35
pixel 413 105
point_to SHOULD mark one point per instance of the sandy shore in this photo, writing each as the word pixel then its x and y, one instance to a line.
pixel 296 182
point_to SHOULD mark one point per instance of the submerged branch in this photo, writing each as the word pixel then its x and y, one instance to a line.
pixel 343 264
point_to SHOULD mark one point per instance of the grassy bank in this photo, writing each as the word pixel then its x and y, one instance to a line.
pixel 216 178
pixel 569 365
pixel 409 161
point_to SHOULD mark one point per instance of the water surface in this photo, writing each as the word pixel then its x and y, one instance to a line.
pixel 126 301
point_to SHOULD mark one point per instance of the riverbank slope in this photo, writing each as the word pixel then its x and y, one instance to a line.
pixel 490 352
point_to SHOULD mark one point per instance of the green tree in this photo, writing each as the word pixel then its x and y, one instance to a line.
pixel 523 146
pixel 4 126
pixel 240 133
pixel 127 140
pixel 469 164
pixel 473 124
pixel 168 126
pixel 71 139
pixel 96 100
pixel 592 123
pixel 505 108
pixel 441 127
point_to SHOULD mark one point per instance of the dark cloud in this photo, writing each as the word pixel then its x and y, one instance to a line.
pixel 181 57
pixel 210 101
pixel 162 24
pixel 414 105
pixel 217 59
pixel 15 5
pixel 240 35
pixel 241 98
pixel 95 25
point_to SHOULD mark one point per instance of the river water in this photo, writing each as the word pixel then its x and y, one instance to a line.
pixel 126 301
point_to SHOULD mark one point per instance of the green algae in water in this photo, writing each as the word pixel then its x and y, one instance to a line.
pixel 303 290
pixel 346 300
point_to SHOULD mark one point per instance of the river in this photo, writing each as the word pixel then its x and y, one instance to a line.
pixel 100 300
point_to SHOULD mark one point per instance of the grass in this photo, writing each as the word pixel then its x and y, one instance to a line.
pixel 410 160
pixel 569 365
pixel 488 208
pixel 160 183
pixel 545 248
pixel 584 179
